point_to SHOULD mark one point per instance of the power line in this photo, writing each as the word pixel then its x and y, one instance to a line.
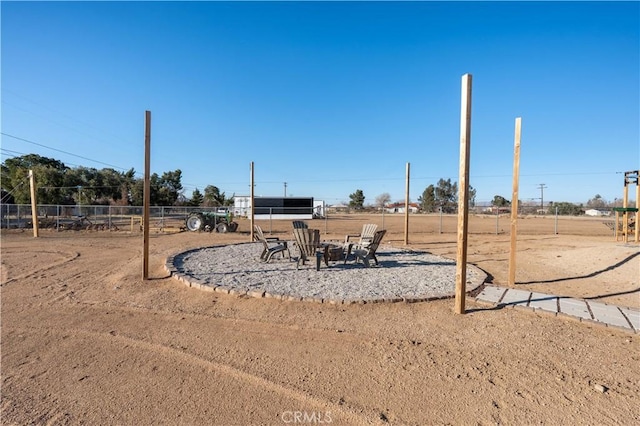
pixel 64 152
pixel 66 116
pixel 13 152
pixel 22 182
pixel 23 154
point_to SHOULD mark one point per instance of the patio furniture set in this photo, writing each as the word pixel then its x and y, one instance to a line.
pixel 360 247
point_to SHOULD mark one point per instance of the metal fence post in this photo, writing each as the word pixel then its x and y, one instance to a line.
pixel 326 223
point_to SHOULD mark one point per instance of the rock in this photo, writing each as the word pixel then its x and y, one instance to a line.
pixel 601 388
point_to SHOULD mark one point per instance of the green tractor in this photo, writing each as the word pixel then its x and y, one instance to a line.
pixel 219 221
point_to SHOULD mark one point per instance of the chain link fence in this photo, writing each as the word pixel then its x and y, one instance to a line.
pixel 168 219
pixel 76 217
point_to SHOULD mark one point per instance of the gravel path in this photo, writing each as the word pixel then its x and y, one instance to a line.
pixel 400 275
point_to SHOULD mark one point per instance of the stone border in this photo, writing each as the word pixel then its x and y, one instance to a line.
pixel 192 282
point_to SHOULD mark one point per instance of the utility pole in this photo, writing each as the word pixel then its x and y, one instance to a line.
pixel 542 186
pixel 285 189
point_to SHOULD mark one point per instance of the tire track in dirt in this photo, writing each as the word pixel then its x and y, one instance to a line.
pixel 346 414
pixel 67 257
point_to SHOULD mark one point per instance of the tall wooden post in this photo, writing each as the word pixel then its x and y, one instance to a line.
pixel 252 202
pixel 146 195
pixel 34 204
pixel 406 207
pixel 625 214
pixel 463 195
pixel 514 203
pixel 637 206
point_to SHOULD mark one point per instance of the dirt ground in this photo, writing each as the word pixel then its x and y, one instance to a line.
pixel 86 341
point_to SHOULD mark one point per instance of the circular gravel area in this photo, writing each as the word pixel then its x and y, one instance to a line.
pixel 402 275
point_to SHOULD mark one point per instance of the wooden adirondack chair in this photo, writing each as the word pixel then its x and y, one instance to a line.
pixel 268 248
pixel 298 224
pixel 365 237
pixel 308 242
pixel 368 252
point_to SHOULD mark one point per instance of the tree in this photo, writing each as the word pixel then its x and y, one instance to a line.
pixel 383 199
pixel 446 195
pixel 110 188
pixel 213 197
pixel 500 201
pixel 565 208
pixel 357 199
pixel 127 182
pixel 596 202
pixel 59 184
pixel 137 192
pixel 48 174
pixel 170 187
pixel 196 198
pixel 427 200
pixel 164 191
pixel 472 196
pixel 81 183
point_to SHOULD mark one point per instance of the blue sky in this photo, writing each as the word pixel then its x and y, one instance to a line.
pixel 329 97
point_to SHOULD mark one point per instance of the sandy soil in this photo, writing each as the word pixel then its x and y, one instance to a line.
pixel 86 341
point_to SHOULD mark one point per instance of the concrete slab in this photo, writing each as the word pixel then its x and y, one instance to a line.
pixel 491 294
pixel 608 314
pixel 633 316
pixel 546 302
pixel 516 297
pixel 575 307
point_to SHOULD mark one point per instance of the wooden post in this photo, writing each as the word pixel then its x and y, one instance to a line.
pixel 514 203
pixel 147 196
pixel 625 214
pixel 463 195
pixel 252 202
pixel 637 205
pixel 406 207
pixel 34 204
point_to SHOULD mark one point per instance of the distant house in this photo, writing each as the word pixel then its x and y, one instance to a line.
pixel 400 208
pixel 497 210
pixel 337 208
pixel 597 213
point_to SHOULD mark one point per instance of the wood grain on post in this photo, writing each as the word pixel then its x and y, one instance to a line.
pixel 637 205
pixel 514 203
pixel 34 204
pixel 463 195
pixel 252 203
pixel 406 208
pixel 147 195
pixel 625 214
